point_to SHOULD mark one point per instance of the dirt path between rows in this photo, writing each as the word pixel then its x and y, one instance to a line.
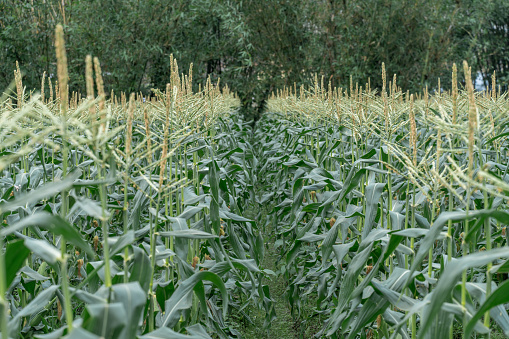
pixel 285 325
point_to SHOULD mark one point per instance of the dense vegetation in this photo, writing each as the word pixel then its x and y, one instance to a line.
pixel 115 212
pixel 256 46
pixel 390 213
pixel 384 213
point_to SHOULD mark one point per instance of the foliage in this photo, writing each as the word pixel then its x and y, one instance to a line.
pixel 122 218
pixel 125 216
pixel 255 46
pixel 490 49
pixel 390 212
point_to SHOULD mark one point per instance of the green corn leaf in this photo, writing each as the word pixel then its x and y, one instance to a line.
pixel 501 216
pixel 141 268
pixel 164 333
pixel 440 222
pixel 372 197
pixel 133 299
pixel 178 300
pixel 501 135
pixel 44 250
pixel 80 333
pixel 214 203
pixel 37 304
pixel 105 320
pixel 328 242
pixel 43 192
pixel 15 256
pixel 121 242
pixel 91 208
pixel 347 286
pixel 450 277
pixel 497 297
pixel 53 223
pixel 188 234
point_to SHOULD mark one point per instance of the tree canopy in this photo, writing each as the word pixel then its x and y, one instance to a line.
pixel 257 46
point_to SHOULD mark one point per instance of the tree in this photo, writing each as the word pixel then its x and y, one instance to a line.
pixel 256 46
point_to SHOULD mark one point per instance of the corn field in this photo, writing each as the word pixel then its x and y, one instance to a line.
pixel 391 211
pixel 142 218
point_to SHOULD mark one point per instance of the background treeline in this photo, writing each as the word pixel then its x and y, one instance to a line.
pixel 256 46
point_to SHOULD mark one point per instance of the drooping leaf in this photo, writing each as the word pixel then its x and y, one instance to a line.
pixel 178 300
pixel 188 234
pixel 372 197
pixel 347 286
pixel 105 320
pixel 43 192
pixel 37 304
pixel 440 222
pixel 165 332
pixel 450 277
pixel 133 298
pixel 53 223
pixel 141 268
pixel 497 297
pixel 44 250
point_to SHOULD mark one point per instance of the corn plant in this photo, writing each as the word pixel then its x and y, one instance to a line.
pixel 122 216
pixel 390 208
pixel 125 217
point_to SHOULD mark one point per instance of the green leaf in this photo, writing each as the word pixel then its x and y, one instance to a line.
pixel 232 216
pixel 53 223
pixel 497 297
pixel 15 256
pixel 372 197
pixel 165 332
pixel 352 180
pixel 105 320
pixel 311 237
pixel 347 286
pixel 80 333
pixel 121 242
pixel 501 135
pixel 441 325
pixel 91 208
pixel 411 232
pixel 188 234
pixel 502 268
pixel 141 268
pixel 37 304
pixel 43 192
pixel 87 297
pixel 501 216
pixel 450 278
pixel 178 300
pixel 440 222
pixel 45 250
pixel 30 273
pixel 214 191
pixel 133 298
pixel 189 212
pixel 328 242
